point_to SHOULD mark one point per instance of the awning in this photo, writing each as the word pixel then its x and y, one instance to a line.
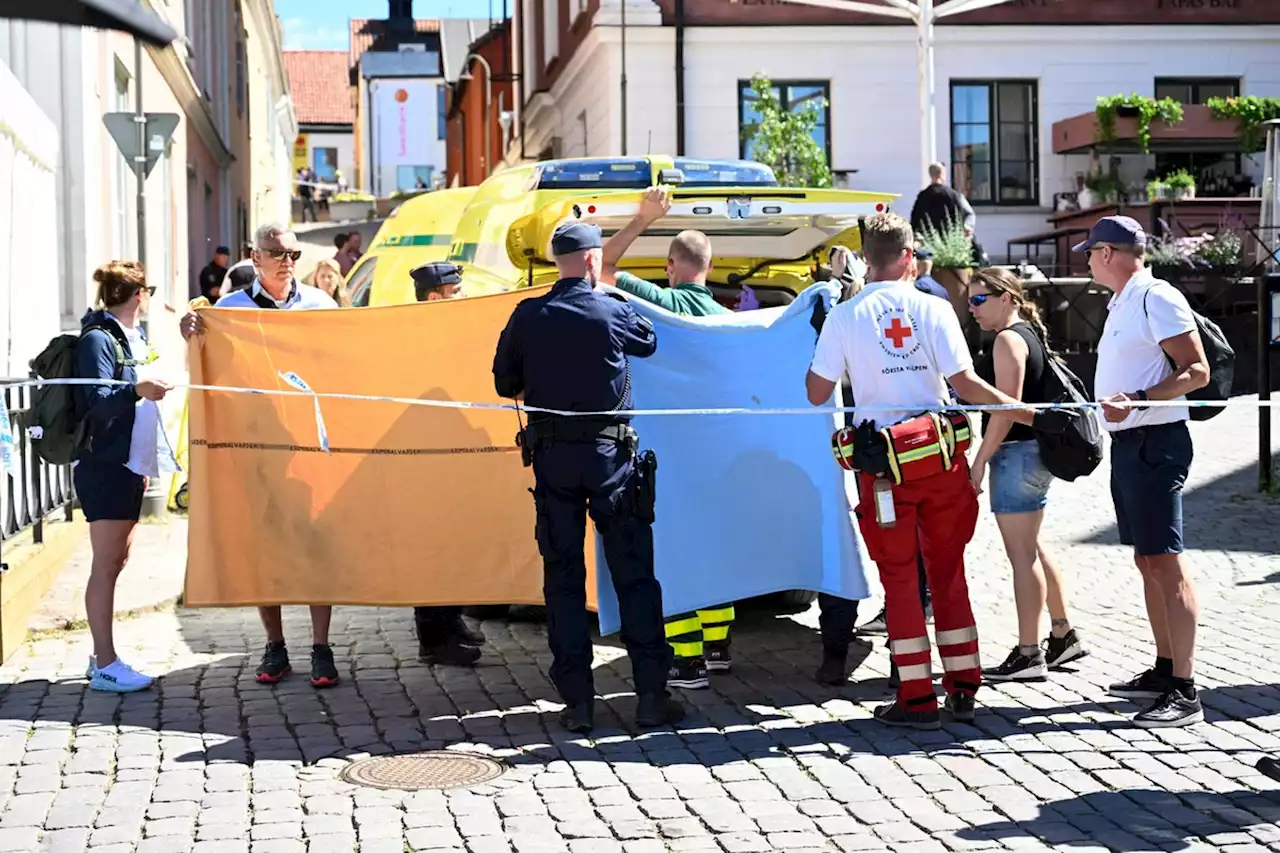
pixel 1198 131
pixel 128 16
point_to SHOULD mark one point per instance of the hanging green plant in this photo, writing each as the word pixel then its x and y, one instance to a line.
pixel 1149 110
pixel 1250 111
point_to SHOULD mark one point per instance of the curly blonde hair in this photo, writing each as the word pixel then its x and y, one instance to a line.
pixel 118 282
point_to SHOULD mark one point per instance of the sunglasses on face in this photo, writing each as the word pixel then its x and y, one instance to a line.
pixel 280 254
pixel 979 299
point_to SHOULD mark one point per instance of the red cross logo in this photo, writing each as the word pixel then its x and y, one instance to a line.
pixel 897 332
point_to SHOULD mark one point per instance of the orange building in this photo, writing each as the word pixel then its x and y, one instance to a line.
pixel 472 126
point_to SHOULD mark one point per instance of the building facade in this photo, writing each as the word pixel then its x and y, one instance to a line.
pixel 1004 76
pixel 480 108
pixel 273 123
pixel 319 83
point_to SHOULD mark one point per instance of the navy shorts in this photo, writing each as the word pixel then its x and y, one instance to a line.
pixel 108 491
pixel 1148 470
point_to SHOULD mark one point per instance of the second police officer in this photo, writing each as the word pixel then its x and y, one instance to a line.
pixel 567 350
pixel 443 637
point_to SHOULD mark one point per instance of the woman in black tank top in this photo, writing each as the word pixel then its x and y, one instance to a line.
pixel 1019 481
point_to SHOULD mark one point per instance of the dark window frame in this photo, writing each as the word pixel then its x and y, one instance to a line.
pixel 993 125
pixel 1194 83
pixel 744 87
pixel 442 111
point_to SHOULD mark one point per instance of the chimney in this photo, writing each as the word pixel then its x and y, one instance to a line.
pixel 401 10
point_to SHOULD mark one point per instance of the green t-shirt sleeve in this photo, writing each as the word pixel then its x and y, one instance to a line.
pixel 649 292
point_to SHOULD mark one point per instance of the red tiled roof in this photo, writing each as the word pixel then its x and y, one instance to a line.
pixel 321 85
pixel 365 31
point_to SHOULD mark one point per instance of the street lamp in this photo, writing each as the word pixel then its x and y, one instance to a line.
pixel 923 13
pixel 488 97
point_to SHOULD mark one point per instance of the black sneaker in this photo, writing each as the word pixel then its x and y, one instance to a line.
pixel 324 673
pixel 657 710
pixel 961 707
pixel 718 657
pixel 1147 685
pixel 878 624
pixel 1060 650
pixel 1269 767
pixel 688 674
pixel 1018 667
pixel 451 653
pixel 578 718
pixel 275 664
pixel 832 671
pixel 465 634
pixel 894 714
pixel 1173 709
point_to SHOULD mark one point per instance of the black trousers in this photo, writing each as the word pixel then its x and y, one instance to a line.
pixel 570 479
pixel 435 624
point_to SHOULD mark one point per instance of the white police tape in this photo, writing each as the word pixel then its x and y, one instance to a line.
pixel 521 407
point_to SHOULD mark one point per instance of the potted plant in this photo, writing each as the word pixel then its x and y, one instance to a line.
pixel 953 263
pixel 1222 252
pixel 1158 191
pixel 1103 187
pixel 1181 185
pixel 350 206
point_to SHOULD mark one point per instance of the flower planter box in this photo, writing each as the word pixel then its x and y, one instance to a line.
pixel 344 211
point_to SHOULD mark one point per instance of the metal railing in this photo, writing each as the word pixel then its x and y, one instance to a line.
pixel 38 489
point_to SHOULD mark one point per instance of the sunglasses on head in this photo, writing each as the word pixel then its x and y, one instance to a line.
pixel 280 254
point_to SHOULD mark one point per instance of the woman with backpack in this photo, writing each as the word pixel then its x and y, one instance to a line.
pixel 122 444
pixel 1020 481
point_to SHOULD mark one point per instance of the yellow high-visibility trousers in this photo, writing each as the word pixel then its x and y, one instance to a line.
pixel 687 633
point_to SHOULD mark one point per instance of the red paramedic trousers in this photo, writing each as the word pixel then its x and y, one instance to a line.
pixel 936 517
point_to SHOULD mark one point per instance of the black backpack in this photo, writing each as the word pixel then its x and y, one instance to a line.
pixel 1070 440
pixel 1220 357
pixel 53 427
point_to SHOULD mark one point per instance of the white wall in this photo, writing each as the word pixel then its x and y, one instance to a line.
pixel 29 308
pixel 345 143
pixel 875 116
pixel 404 134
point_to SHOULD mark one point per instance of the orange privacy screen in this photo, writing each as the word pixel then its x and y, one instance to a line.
pixel 414 505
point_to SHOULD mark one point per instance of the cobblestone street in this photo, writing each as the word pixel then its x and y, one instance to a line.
pixel 768 760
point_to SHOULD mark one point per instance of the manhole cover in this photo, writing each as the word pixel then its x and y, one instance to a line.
pixel 422 771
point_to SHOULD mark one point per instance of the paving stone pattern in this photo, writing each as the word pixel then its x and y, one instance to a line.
pixel 209 761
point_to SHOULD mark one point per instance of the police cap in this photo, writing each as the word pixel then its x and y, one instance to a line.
pixel 436 274
pixel 575 237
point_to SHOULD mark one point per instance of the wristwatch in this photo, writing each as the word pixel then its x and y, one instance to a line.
pixel 1141 395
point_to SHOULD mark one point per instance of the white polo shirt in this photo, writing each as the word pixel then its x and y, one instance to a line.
pixel 897 345
pixel 1146 312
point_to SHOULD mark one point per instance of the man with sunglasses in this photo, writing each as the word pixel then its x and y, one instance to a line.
pixel 275 257
pixel 1150 350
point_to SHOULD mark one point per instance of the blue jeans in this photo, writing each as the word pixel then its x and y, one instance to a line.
pixel 1149 467
pixel 1019 480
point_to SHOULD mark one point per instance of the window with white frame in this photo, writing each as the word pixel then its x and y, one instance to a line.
pixel 550 30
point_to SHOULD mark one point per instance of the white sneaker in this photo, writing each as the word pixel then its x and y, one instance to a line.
pixel 118 677
pixel 93 664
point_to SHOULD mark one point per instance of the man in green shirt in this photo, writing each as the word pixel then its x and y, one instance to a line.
pixel 700 640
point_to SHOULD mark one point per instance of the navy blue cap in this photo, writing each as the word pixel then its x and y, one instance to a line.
pixel 575 237
pixel 923 254
pixel 1116 230
pixel 437 274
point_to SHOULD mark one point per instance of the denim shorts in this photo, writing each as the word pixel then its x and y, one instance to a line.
pixel 1149 467
pixel 108 491
pixel 1019 480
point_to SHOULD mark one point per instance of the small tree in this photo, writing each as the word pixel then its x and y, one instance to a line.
pixel 783 139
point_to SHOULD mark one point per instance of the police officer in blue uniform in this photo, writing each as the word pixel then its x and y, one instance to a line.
pixel 567 350
pixel 443 637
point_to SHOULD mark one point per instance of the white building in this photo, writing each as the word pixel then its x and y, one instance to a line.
pixel 403 95
pixel 1004 76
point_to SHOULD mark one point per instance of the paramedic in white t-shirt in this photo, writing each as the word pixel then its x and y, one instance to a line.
pixel 1150 350
pixel 899 347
